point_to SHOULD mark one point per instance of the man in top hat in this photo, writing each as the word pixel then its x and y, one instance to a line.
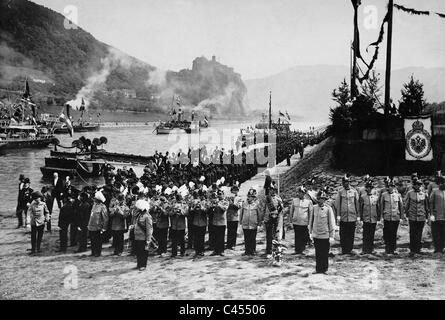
pixel 346 208
pixel 57 192
pixel 369 214
pixel 437 217
pixel 391 206
pixel 417 211
pixel 235 203
pixel 19 209
pixel 82 217
pixel 66 218
pixel 300 210
pixel 26 200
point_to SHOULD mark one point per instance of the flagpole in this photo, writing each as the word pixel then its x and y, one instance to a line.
pixel 388 82
pixel 270 110
pixel 354 51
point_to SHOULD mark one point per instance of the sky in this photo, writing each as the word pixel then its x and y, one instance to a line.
pixel 258 38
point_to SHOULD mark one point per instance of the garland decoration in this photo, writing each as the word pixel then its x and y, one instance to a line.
pixel 411 11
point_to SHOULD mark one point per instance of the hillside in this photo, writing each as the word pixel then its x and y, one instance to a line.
pixel 68 64
pixel 306 90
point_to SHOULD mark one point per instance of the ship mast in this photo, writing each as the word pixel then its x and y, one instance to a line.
pixel 270 110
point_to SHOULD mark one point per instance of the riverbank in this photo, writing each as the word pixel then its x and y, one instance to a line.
pixel 52 275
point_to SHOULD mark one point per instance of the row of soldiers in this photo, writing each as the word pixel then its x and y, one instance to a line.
pixel 193 209
pixel 369 205
pixel 172 212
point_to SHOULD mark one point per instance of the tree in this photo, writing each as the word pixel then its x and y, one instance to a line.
pixel 371 88
pixel 340 115
pixel 342 95
pixel 412 102
pixel 362 107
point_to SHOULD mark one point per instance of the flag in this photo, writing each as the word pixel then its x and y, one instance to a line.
pixel 68 123
pixel 27 93
pixel 418 139
pixel 178 100
pixel 282 114
pixel 82 106
pixel 287 114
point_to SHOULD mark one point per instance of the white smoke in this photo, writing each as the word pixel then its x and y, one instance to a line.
pixel 97 80
pixel 157 78
pixel 221 101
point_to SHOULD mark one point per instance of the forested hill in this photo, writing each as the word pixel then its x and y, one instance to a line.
pixel 63 64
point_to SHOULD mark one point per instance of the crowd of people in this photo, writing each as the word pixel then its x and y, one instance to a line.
pixel 177 202
pixel 185 214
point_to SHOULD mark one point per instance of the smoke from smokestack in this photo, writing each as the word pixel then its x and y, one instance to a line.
pixel 97 80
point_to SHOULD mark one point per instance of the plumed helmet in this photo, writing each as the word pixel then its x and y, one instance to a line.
pixel 142 205
pixel 99 196
pixel 322 195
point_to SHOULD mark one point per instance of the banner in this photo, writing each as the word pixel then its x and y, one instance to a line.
pixel 418 139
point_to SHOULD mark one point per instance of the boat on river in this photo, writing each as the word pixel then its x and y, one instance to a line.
pixel 88 162
pixel 17 136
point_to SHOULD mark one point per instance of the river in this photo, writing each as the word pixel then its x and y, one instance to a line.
pixel 135 140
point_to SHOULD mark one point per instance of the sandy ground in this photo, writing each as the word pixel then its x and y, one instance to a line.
pixel 51 275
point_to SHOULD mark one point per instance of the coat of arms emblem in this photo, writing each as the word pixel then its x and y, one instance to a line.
pixel 418 141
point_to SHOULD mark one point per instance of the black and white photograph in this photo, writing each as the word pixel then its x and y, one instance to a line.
pixel 222 151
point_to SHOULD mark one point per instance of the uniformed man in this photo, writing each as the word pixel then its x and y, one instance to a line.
pixel 235 203
pixel 178 213
pixel 434 185
pixel 198 210
pixel 250 219
pixel 299 217
pixel 38 214
pixel 437 217
pixel 369 214
pixel 321 228
pixel 162 225
pixel 219 222
pixel 346 208
pixel 417 211
pixel 391 205
pixel 118 214
pixel 272 212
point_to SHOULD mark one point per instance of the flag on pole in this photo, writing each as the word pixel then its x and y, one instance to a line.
pixel 82 105
pixel 26 93
pixel 287 114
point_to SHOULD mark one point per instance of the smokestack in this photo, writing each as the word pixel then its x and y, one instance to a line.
pixel 213 59
pixel 67 110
